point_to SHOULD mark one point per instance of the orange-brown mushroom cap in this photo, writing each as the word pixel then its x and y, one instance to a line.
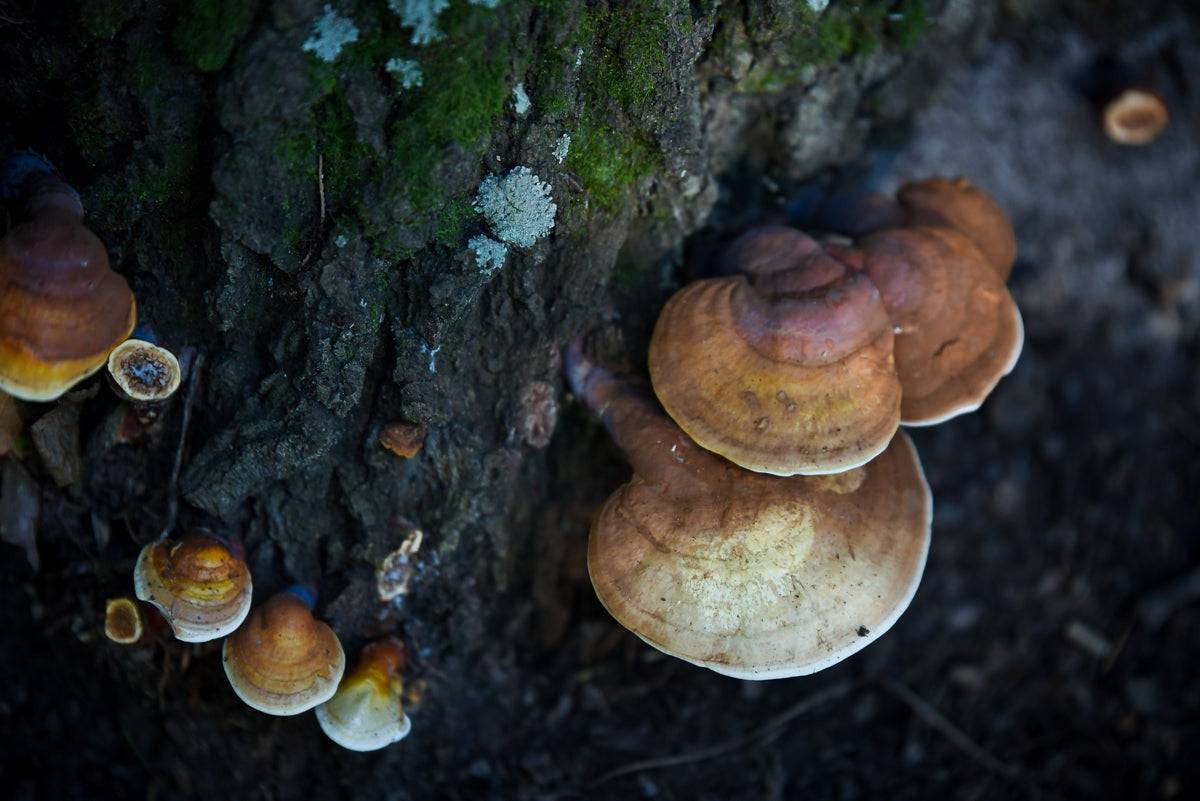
pixel 202 589
pixel 122 621
pixel 62 309
pixel 751 575
pixel 1135 117
pixel 958 203
pixel 786 372
pixel 958 330
pixel 283 661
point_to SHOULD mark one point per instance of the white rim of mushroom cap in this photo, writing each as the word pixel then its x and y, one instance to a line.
pixel 356 718
pixel 144 372
pixel 187 619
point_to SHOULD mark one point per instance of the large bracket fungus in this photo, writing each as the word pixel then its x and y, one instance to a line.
pixel 367 711
pixel 750 575
pixel 786 369
pixel 62 308
pixel 200 586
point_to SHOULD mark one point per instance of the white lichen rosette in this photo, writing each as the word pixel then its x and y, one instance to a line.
pixel 518 206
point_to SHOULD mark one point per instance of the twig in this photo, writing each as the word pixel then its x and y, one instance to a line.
pixel 768 730
pixel 188 401
pixel 954 735
pixel 321 222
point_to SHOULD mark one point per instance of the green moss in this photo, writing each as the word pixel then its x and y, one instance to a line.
pixel 455 211
pixel 103 19
pixel 608 163
pixel 625 56
pixel 208 30
pixel 911 24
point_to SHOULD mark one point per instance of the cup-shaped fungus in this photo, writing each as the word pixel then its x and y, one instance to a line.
pixel 142 372
pixel 1135 116
pixel 751 575
pixel 62 308
pixel 367 711
pixel 199 585
pixel 786 369
pixel 284 661
pixel 958 330
pixel 123 621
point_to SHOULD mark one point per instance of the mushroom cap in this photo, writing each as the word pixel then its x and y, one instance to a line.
pixel 367 711
pixel 201 588
pixel 762 577
pixel 958 330
pixel 1135 117
pixel 144 372
pixel 283 661
pixel 960 204
pixel 122 621
pixel 62 309
pixel 789 371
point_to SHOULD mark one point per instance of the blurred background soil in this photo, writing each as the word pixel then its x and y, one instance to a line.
pixel 1052 651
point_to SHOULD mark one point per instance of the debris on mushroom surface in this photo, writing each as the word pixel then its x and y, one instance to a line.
pixel 201 587
pixel 62 308
pixel 367 711
pixel 283 661
pixel 751 575
pixel 786 369
pixel 144 372
pixel 403 439
pixel 395 572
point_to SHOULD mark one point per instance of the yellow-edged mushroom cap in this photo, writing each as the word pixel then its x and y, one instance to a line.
pixel 200 586
pixel 367 711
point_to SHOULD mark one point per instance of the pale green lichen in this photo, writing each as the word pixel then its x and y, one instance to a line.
pixel 489 254
pixel 421 16
pixel 521 102
pixel 517 206
pixel 330 34
pixel 406 71
pixel 562 147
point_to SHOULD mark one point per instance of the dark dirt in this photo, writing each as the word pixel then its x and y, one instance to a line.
pixel 253 198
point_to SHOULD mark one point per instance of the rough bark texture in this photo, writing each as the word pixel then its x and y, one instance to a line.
pixel 305 224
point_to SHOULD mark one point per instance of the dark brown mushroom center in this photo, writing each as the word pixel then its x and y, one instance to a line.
pixel 146 372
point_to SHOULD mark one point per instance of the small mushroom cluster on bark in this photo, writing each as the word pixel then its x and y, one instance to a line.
pixel 64 315
pixel 777 521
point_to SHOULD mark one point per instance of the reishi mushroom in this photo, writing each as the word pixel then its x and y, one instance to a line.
pixel 143 372
pixel 62 308
pixel 201 587
pixel 786 369
pixel 958 330
pixel 751 575
pixel 1135 116
pixel 123 621
pixel 367 711
pixel 283 661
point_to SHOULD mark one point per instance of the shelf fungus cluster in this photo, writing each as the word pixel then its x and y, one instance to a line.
pixel 777 521
pixel 278 657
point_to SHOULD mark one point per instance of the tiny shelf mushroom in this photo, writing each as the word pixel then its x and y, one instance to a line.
pixel 143 372
pixel 750 575
pixel 367 711
pixel 283 661
pixel 786 369
pixel 62 308
pixel 199 585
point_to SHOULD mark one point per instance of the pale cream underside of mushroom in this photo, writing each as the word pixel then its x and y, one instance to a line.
pixel 190 622
pixel 972 404
pixel 787 599
pixel 359 719
pixel 321 690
